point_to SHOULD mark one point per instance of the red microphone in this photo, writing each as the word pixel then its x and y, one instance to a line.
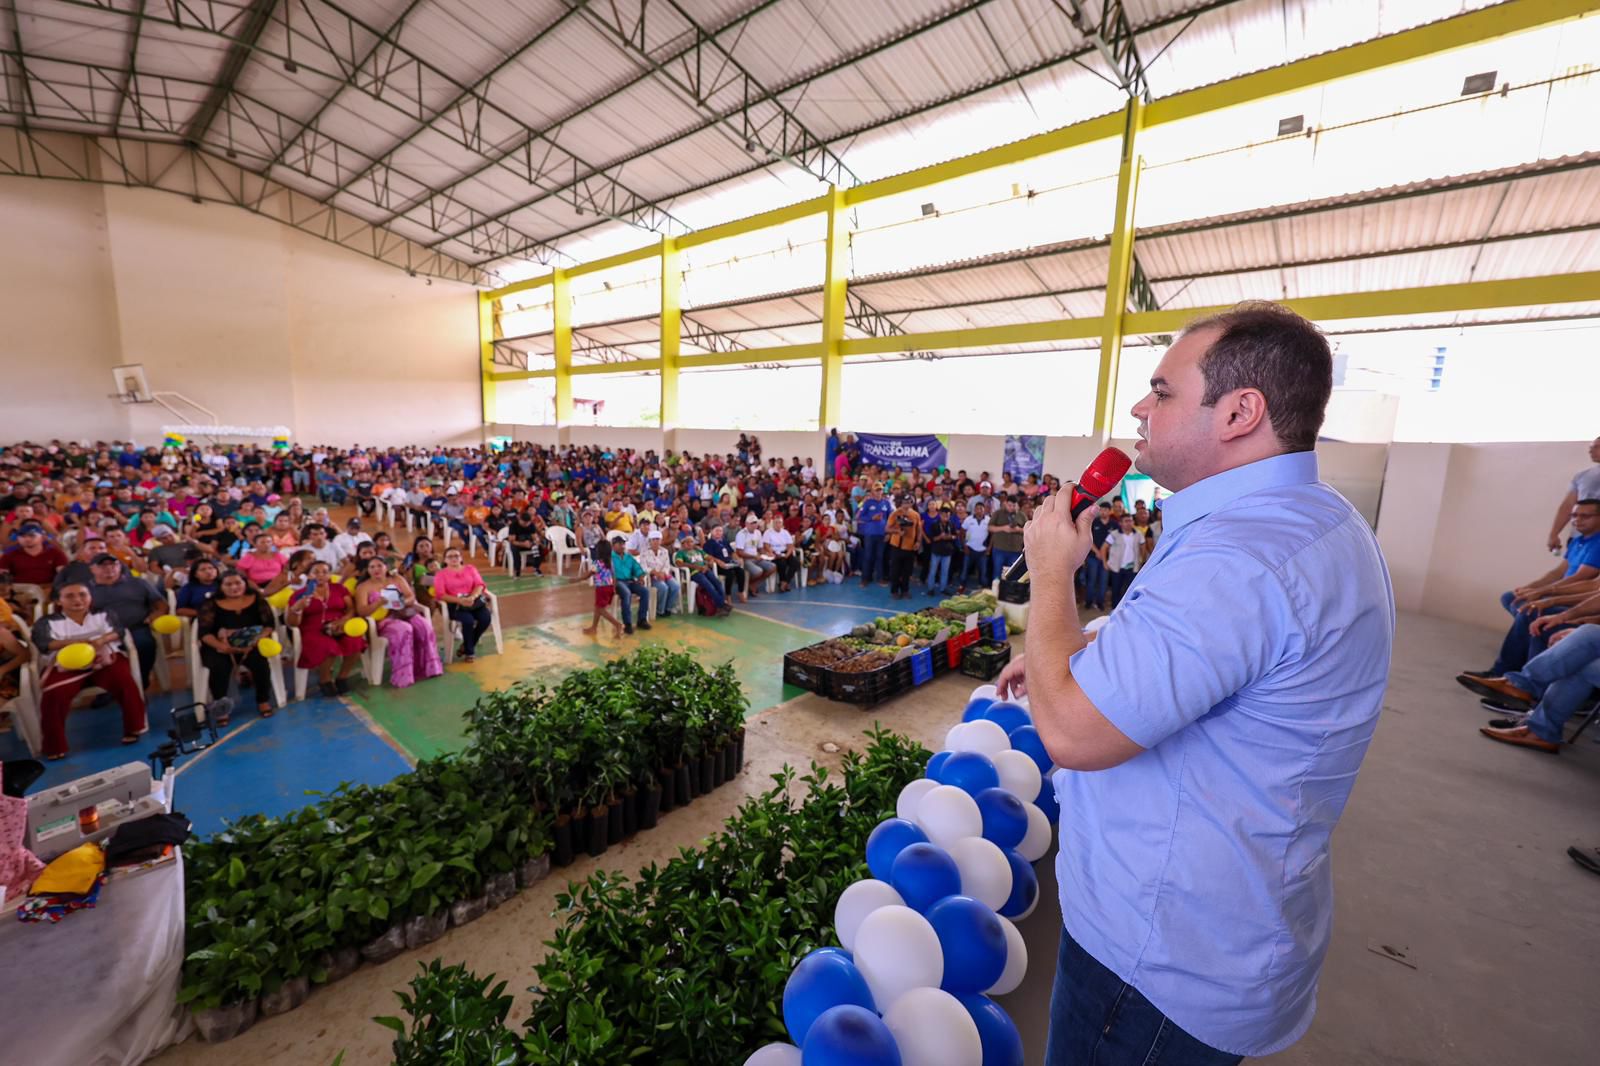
pixel 1097 481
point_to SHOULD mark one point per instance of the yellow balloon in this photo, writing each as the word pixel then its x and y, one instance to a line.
pixel 350 584
pixel 280 599
pixel 379 615
pixel 77 656
pixel 167 624
pixel 355 627
pixel 269 648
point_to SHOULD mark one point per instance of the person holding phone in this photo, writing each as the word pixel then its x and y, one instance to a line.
pixel 413 646
pixel 320 611
pixel 230 625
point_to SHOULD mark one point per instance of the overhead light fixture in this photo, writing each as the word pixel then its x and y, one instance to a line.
pixel 928 210
pixel 1478 83
pixel 291 66
pixel 1292 124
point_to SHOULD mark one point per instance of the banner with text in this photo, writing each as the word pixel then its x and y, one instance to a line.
pixel 1024 456
pixel 927 452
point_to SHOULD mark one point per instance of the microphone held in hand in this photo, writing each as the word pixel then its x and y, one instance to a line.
pixel 1097 481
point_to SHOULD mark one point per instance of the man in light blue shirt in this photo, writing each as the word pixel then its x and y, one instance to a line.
pixel 1212 732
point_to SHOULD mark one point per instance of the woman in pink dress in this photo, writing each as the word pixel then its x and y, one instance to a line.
pixel 320 611
pixel 413 648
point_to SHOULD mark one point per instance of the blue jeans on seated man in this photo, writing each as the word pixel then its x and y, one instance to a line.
pixel 627 591
pixel 712 587
pixel 666 597
pixel 1564 678
pixel 1097 1018
pixel 1519 645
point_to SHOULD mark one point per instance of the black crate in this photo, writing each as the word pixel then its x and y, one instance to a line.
pixel 1014 591
pixel 808 676
pixel 873 686
pixel 985 659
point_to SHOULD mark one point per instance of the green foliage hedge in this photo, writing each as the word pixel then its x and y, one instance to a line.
pixel 270 898
pixel 685 964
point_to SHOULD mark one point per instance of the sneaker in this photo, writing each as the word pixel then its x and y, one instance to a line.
pixel 341 686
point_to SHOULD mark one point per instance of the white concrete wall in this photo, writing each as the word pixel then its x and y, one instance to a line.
pixel 1409 518
pixel 256 321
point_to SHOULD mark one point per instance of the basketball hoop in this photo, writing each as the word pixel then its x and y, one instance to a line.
pixel 126 398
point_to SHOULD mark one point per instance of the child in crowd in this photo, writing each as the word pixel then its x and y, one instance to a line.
pixel 605 590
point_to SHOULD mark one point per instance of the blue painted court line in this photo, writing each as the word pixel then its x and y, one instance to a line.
pixel 266 766
pixel 94 739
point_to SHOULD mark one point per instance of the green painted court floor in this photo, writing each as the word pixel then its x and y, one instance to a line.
pixel 429 718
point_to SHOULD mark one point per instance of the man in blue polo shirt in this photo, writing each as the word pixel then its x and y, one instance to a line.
pixel 872 521
pixel 1571 577
pixel 1212 731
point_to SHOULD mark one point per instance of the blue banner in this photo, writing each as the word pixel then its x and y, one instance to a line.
pixel 908 453
pixel 1024 456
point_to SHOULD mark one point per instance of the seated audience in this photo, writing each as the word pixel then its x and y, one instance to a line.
pixel 76 621
pixel 230 626
pixel 779 544
pixel 1553 685
pixel 13 641
pixel 690 556
pixel 406 625
pixel 33 559
pixel 729 570
pixel 262 563
pixel 630 582
pixel 319 611
pixel 753 554
pixel 132 605
pixel 201 586
pixel 658 570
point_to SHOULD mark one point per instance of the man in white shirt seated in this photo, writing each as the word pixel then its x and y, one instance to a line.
pixel 659 572
pixel 346 543
pixel 318 544
pixel 639 539
pixel 752 553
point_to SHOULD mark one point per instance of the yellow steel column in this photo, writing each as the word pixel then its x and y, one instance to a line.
pixel 561 297
pixel 486 335
pixel 1119 273
pixel 835 270
pixel 671 319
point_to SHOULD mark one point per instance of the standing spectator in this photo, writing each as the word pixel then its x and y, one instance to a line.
pixel 461 589
pixel 657 565
pixel 872 520
pixel 944 537
pixel 131 604
pixel 1585 486
pixel 78 622
pixel 1005 535
pixel 1096 580
pixel 1123 556
pixel 904 539
pixel 976 556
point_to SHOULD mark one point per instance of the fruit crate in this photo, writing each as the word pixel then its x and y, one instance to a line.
pixel 809 676
pixel 872 686
pixel 985 659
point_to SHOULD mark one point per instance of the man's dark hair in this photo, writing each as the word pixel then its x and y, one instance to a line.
pixel 1589 502
pixel 1268 347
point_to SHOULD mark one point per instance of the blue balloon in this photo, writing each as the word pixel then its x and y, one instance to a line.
pixel 976 708
pixel 849 1035
pixel 973 941
pixel 1002 1044
pixel 892 836
pixel 1024 886
pixel 1005 819
pixel 924 874
pixel 1026 740
pixel 1046 801
pixel 935 763
pixel 1009 716
pixel 970 771
pixel 822 980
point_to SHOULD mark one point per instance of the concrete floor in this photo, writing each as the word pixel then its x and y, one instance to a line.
pixel 1452 850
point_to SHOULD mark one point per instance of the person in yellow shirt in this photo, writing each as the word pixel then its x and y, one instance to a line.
pixel 619 520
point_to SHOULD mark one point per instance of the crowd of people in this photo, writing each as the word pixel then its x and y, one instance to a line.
pixel 240 537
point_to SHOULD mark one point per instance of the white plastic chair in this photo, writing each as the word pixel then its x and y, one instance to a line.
pixel 302 675
pixel 24 710
pixel 564 545
pixel 201 685
pixel 452 631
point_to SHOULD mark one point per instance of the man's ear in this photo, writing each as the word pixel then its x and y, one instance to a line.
pixel 1242 411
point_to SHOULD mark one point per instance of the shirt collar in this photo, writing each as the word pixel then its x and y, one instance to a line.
pixel 1219 490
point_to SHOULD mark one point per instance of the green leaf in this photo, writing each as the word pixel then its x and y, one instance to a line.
pixel 235 872
pixel 389 1021
pixel 425 874
pixel 378 907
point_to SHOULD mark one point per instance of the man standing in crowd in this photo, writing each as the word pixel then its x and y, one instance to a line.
pixel 1122 556
pixel 1212 732
pixel 905 538
pixel 872 520
pixel 1585 486
pixel 976 558
pixel 1005 535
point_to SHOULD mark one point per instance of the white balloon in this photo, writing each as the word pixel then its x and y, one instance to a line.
pixel 911 795
pixel 1019 774
pixel 775 1055
pixel 947 814
pixel 1036 843
pixel 1037 896
pixel 858 901
pixel 985 873
pixel 932 1028
pixel 1016 962
pixel 984 691
pixel 896 951
pixel 981 736
pixel 953 738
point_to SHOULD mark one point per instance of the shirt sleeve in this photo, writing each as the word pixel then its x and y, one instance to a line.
pixel 1588 555
pixel 1202 624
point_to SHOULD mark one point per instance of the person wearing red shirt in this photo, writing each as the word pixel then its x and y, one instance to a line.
pixel 33 561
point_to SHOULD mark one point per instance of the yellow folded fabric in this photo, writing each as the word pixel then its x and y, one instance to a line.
pixel 73 872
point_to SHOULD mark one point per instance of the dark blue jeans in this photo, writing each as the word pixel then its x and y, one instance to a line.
pixel 1097 1019
pixel 1094 582
pixel 1519 645
pixel 872 566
